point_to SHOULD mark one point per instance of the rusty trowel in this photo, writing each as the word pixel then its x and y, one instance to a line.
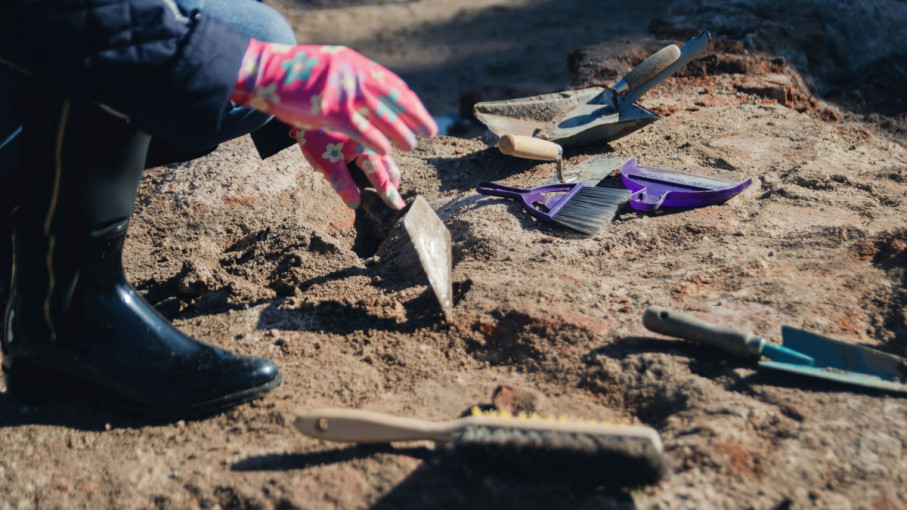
pixel 422 231
pixel 594 113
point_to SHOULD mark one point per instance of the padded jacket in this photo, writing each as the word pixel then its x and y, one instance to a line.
pixel 168 71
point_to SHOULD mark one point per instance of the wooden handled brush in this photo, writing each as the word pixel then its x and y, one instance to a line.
pixel 586 209
pixel 531 448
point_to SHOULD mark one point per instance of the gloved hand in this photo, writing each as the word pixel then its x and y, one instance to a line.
pixel 332 88
pixel 329 153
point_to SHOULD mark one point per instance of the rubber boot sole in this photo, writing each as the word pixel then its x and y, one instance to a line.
pixel 34 384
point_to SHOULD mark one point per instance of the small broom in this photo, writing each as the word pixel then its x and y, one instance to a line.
pixel 530 448
pixel 586 209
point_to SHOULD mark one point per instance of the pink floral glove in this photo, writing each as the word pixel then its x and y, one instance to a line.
pixel 329 153
pixel 332 88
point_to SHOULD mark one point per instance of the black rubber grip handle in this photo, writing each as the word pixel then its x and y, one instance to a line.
pixel 740 343
pixel 371 201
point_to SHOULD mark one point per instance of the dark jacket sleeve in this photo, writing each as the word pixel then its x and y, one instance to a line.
pixel 169 71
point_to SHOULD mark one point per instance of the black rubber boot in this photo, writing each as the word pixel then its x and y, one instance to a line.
pixel 6 256
pixel 10 163
pixel 6 241
pixel 73 324
pixel 111 345
pixel 8 185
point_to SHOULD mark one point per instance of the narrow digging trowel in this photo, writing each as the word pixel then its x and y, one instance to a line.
pixel 425 232
pixel 418 227
pixel 594 113
pixel 801 352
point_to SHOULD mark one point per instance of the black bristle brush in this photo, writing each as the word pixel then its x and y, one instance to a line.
pixel 528 448
pixel 583 208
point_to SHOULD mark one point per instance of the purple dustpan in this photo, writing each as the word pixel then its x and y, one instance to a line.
pixel 656 187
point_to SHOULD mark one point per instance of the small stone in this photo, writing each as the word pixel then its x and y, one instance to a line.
pixel 517 400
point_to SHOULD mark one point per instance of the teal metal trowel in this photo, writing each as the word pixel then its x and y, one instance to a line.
pixel 801 352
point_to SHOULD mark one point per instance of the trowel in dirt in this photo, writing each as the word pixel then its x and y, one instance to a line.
pixel 801 352
pixel 422 230
pixel 594 113
pixel 590 172
pixel 425 232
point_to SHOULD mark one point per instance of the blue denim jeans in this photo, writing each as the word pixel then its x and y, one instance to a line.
pixel 258 21
pixel 251 16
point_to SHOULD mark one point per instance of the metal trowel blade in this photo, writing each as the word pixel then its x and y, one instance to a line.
pixel 431 240
pixel 842 362
pixel 591 123
pixel 840 355
pixel 592 171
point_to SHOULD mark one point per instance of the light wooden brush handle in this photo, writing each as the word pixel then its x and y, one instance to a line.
pixel 530 148
pixel 356 426
pixel 353 425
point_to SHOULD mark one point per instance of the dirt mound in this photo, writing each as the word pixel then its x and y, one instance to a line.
pixel 262 258
pixel 851 52
pixel 727 71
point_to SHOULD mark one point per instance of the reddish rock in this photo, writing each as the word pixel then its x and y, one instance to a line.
pixel 517 400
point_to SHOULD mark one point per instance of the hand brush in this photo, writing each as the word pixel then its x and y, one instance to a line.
pixel 530 448
pixel 573 205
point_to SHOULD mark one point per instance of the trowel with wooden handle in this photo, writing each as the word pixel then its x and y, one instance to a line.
pixel 593 113
pixel 590 172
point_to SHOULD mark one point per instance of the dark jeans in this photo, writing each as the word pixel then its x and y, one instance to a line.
pixel 256 19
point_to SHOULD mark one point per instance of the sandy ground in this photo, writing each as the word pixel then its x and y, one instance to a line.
pixel 261 258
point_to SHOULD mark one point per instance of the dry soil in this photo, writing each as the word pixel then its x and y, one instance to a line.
pixel 261 258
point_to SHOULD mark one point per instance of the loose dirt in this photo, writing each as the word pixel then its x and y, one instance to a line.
pixel 262 258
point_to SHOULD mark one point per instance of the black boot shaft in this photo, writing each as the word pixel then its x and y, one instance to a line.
pixel 73 323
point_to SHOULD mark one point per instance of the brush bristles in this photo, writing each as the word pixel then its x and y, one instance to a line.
pixel 523 447
pixel 540 456
pixel 497 413
pixel 591 208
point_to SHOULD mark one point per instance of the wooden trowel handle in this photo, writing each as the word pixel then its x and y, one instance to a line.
pixel 648 68
pixel 529 148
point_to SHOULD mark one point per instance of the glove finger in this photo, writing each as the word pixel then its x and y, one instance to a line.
pixel 339 176
pixel 393 172
pixel 386 111
pixel 416 116
pixel 355 153
pixel 380 171
pixel 362 130
pixel 349 85
pixel 325 152
pixel 413 114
